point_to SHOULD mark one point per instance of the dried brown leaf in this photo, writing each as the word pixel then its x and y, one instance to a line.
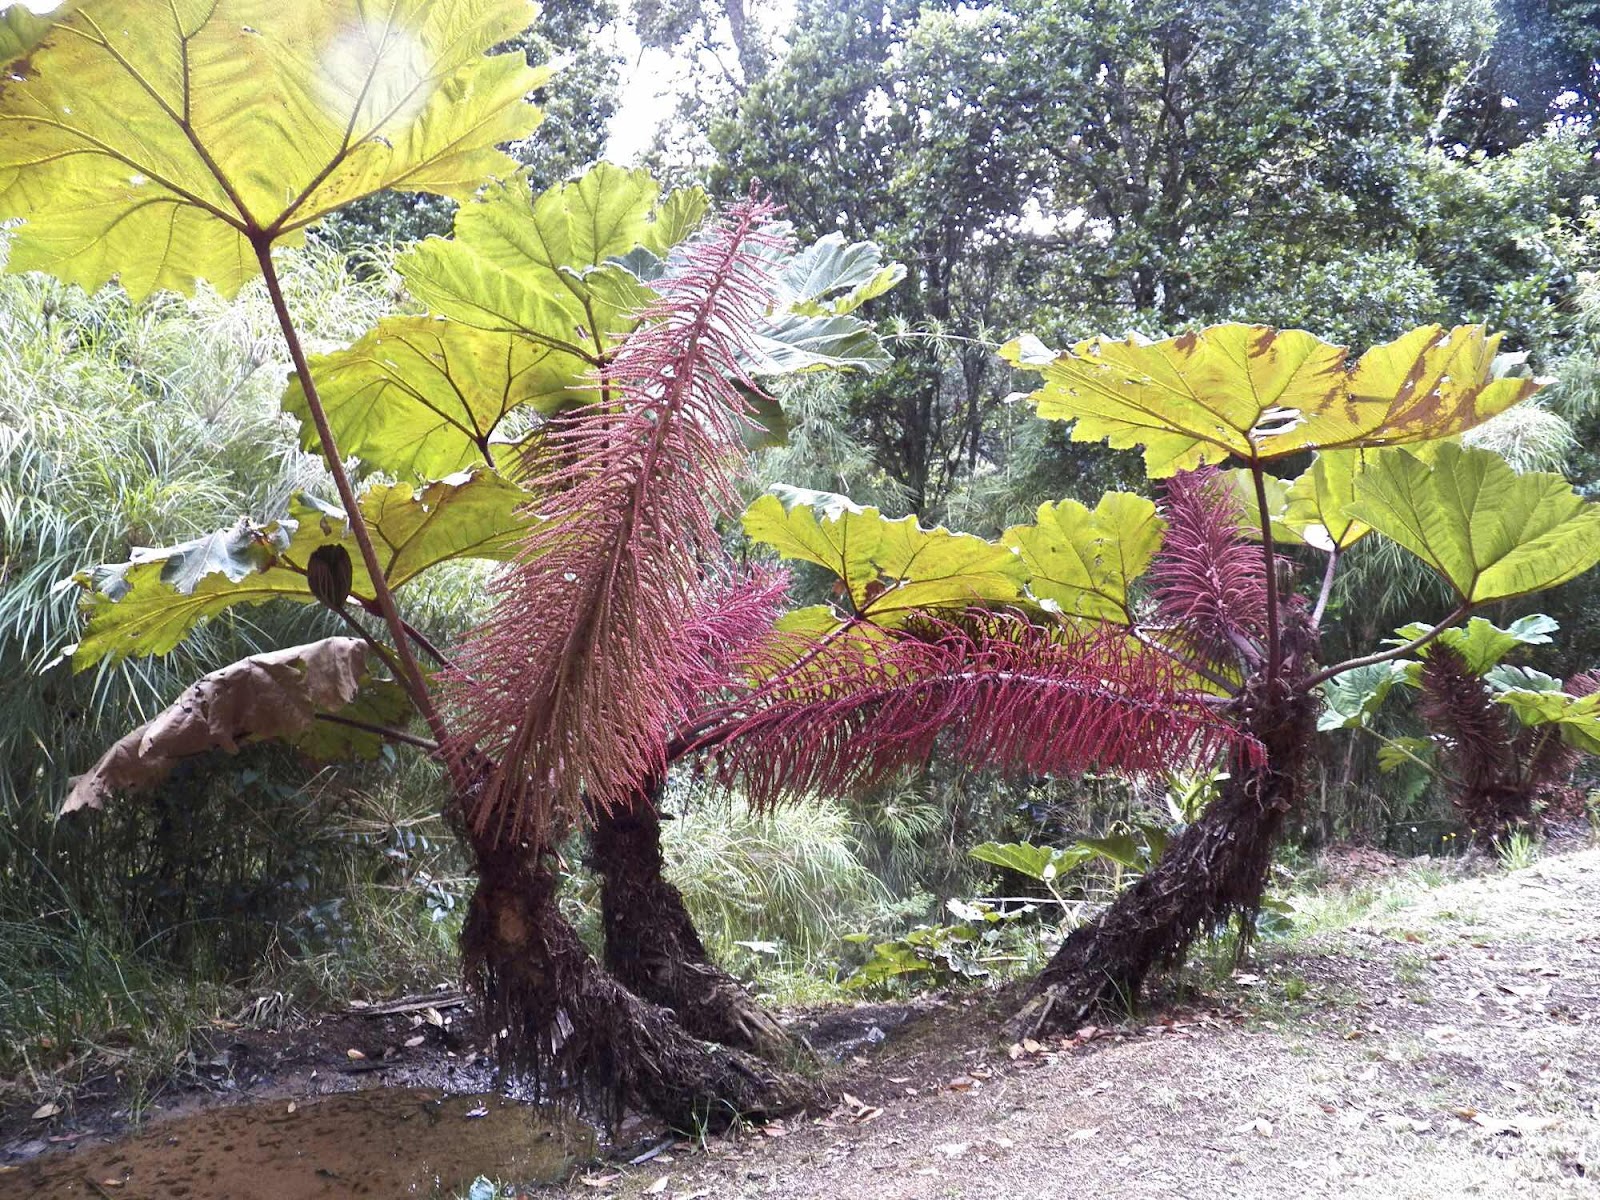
pixel 270 695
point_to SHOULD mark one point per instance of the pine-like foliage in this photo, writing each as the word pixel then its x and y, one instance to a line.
pixel 842 714
pixel 572 683
pixel 1210 582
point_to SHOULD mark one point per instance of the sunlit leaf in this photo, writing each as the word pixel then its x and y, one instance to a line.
pixel 1575 718
pixel 1083 559
pixel 888 567
pixel 149 605
pixel 1317 501
pixel 1258 393
pixel 1481 642
pixel 1043 863
pixel 421 398
pixel 160 143
pixel 541 266
pixel 1242 481
pixel 1491 532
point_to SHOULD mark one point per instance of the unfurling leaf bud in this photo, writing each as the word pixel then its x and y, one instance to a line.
pixel 329 573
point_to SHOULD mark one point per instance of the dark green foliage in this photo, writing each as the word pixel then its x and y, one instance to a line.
pixel 1106 165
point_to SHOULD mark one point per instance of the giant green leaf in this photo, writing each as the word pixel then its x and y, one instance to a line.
pixel 890 568
pixel 162 142
pixel 1349 700
pixel 1319 499
pixel 1259 393
pixel 1491 532
pixel 1044 863
pixel 541 266
pixel 1482 643
pixel 1575 718
pixel 1082 559
pixel 788 343
pixel 148 605
pixel 831 277
pixel 422 397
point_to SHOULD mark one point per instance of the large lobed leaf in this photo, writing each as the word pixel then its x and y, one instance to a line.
pixel 156 141
pixel 1481 643
pixel 272 695
pixel 1260 393
pixel 890 569
pixel 149 604
pixel 533 295
pixel 1491 532
pixel 1082 560
pixel 540 266
pixel 1576 719
pixel 422 397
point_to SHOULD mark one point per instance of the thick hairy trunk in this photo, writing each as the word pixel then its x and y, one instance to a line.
pixel 578 1034
pixel 652 947
pixel 1214 870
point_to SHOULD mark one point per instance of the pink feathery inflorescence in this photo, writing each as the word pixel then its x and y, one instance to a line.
pixel 993 690
pixel 732 619
pixel 574 680
pixel 1209 581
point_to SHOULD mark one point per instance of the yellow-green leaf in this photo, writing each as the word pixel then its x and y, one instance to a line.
pixel 1428 384
pixel 523 264
pixel 1576 718
pixel 1082 559
pixel 422 397
pixel 1187 400
pixel 1491 532
pixel 1259 393
pixel 1318 500
pixel 159 142
pixel 889 568
pixel 149 605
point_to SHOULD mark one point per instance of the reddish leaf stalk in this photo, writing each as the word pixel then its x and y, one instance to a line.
pixel 410 673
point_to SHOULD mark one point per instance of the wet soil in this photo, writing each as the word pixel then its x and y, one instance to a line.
pixel 383 1143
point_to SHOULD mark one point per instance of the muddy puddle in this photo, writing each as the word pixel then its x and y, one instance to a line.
pixel 382 1143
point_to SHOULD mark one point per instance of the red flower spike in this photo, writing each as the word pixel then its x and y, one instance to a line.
pixel 573 681
pixel 1208 580
pixel 994 690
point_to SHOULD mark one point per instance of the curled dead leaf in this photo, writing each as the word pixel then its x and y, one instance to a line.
pixel 270 695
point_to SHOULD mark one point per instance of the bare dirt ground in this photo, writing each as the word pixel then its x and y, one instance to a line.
pixel 1447 1044
pixel 1439 1037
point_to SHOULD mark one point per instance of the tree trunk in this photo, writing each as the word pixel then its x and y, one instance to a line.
pixel 578 1034
pixel 1214 870
pixel 652 947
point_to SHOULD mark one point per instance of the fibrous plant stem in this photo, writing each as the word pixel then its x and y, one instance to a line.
pixel 411 677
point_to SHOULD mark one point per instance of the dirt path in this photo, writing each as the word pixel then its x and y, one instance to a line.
pixel 1445 1044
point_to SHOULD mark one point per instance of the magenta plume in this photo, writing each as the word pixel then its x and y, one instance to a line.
pixel 575 679
pixel 994 691
pixel 1209 581
pixel 732 619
